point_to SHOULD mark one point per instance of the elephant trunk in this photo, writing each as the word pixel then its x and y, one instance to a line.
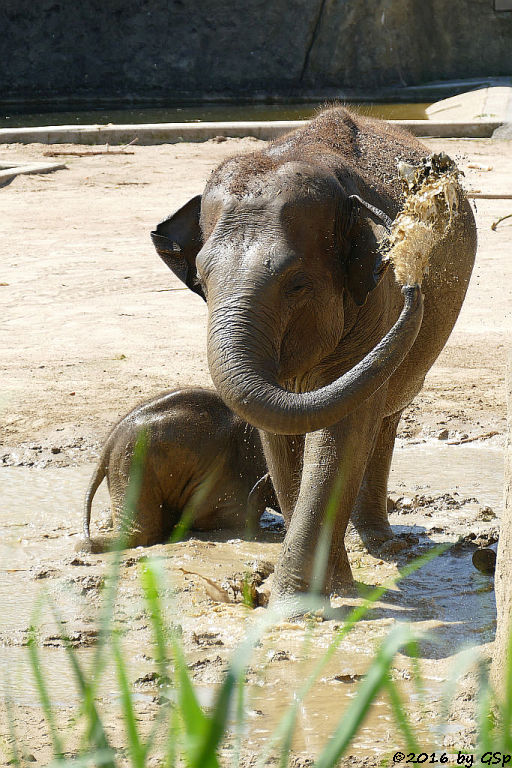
pixel 244 372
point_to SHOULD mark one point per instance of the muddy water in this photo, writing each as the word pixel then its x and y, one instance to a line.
pixel 474 469
pixel 447 602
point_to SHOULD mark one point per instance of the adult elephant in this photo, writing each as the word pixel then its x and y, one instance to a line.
pixel 306 337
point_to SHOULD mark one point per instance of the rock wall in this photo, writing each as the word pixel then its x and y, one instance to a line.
pixel 406 42
pixel 177 49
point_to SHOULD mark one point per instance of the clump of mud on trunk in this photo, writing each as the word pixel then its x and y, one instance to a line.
pixel 432 195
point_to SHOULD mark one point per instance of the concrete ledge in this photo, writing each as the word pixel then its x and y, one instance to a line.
pixel 145 133
pixel 170 133
pixel 451 129
pixel 482 104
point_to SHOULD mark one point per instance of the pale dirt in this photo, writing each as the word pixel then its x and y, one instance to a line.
pixel 93 323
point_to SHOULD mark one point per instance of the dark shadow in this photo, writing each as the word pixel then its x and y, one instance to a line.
pixel 448 592
pixel 270 530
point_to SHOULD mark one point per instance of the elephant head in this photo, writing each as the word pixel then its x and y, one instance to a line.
pixel 286 254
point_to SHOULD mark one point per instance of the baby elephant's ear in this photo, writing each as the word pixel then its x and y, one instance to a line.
pixel 365 265
pixel 178 241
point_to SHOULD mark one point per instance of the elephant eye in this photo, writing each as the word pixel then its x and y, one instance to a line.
pixel 298 286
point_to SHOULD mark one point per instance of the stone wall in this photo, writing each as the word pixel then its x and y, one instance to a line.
pixel 177 49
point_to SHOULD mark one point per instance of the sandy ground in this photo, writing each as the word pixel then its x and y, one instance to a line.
pixel 92 323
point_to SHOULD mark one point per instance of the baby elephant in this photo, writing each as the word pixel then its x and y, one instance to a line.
pixel 200 460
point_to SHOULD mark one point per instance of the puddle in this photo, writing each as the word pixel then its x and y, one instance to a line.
pixel 448 599
pixel 16 676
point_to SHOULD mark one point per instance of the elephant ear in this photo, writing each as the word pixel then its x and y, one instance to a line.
pixel 178 241
pixel 364 262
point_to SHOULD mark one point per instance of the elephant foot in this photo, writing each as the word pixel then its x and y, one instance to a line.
pixel 299 602
pixel 298 590
pixel 294 598
pixel 297 605
pixel 301 605
pixel 94 546
pixel 374 535
pixel 342 587
pixel 84 545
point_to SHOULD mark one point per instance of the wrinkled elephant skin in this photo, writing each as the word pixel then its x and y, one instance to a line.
pixel 309 337
pixel 198 459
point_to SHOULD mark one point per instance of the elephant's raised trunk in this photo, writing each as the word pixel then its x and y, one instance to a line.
pixel 245 379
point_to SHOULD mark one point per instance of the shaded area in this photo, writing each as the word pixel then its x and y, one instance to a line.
pixel 200 112
pixel 134 51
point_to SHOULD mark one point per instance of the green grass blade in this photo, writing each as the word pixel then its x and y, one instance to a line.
pixel 184 524
pixel 290 721
pixel 401 717
pixel 323 546
pixel 506 718
pixel 216 724
pixel 173 739
pixel 44 697
pixel 485 712
pixel 151 577
pixel 375 679
pixel 135 746
pixel 193 715
pixel 464 661
pixel 152 588
pixel 240 720
pixel 413 651
pixel 16 760
pixel 195 722
pixel 235 676
pixel 96 735
pixel 112 582
pixel 286 745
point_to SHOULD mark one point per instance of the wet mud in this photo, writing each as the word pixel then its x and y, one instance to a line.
pixel 449 603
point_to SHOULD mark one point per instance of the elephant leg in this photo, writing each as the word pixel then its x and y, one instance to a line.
pixel 333 467
pixel 370 514
pixel 284 455
pixel 147 527
pixel 142 524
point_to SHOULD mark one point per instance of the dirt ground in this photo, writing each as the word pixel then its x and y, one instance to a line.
pixel 93 322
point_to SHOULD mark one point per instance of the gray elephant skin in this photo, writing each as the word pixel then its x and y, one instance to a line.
pixel 309 337
pixel 198 459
